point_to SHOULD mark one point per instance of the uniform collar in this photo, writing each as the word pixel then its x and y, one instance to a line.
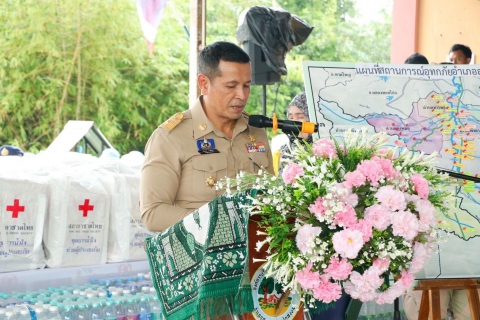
pixel 201 121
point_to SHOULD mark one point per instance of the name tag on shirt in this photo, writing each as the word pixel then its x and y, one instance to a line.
pixel 206 146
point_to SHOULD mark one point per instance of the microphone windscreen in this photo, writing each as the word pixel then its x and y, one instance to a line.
pixel 259 121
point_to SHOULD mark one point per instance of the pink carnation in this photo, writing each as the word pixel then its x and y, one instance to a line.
pixel 397 289
pixel 420 254
pixel 363 287
pixel 387 167
pixel 391 198
pixel 324 148
pixel 351 199
pixel 405 224
pixel 421 185
pixel 389 295
pixel 346 217
pixel 406 279
pixel 356 293
pixel 308 280
pixel 348 243
pixel 379 216
pixel 365 227
pixel 371 170
pixel 382 264
pixel 354 179
pixel 327 291
pixel 426 210
pixel 317 208
pixel 339 269
pixel 290 172
pixel 306 237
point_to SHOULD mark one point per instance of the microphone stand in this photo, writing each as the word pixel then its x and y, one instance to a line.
pixel 459 175
pixel 456 175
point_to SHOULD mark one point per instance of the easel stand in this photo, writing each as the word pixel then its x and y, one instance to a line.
pixel 430 303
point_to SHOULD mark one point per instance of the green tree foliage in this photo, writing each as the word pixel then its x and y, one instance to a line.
pixel 87 60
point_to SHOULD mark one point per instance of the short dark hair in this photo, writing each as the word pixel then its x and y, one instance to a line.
pixel 467 52
pixel 211 55
pixel 416 58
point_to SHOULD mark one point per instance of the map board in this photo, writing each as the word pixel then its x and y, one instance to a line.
pixel 430 108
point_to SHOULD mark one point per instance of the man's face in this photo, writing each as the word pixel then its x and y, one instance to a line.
pixel 225 96
pixel 457 57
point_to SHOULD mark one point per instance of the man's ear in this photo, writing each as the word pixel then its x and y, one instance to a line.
pixel 468 60
pixel 203 83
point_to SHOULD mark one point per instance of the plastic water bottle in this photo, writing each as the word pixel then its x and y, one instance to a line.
pixel 39 313
pixel 82 312
pixel 109 312
pixel 144 309
pixel 2 313
pixel 131 310
pixel 95 312
pixel 68 313
pixel 10 315
pixel 156 308
pixel 120 310
pixel 53 313
pixel 24 315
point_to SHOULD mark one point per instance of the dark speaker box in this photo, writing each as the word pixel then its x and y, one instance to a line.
pixel 262 74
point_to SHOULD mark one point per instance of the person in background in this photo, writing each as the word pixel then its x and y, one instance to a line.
pixel 416 58
pixel 11 151
pixel 451 301
pixel 460 54
pixel 297 110
pixel 189 152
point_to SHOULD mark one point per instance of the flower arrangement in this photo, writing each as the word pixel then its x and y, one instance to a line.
pixel 347 214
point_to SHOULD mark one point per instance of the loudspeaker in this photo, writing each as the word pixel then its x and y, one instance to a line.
pixel 262 74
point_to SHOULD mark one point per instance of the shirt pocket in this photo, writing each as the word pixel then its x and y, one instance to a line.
pixel 206 170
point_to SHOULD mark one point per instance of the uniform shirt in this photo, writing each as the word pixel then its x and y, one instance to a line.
pixel 174 174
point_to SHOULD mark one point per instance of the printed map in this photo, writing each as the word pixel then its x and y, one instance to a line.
pixel 422 108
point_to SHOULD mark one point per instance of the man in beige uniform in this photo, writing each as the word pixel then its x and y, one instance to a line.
pixel 192 150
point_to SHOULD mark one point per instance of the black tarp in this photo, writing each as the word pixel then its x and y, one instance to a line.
pixel 276 31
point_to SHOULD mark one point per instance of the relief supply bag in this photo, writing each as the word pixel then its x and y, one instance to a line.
pixel 126 233
pixel 76 232
pixel 23 206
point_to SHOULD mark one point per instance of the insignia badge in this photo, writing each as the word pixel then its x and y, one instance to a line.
pixel 206 146
pixel 251 138
pixel 202 126
pixel 4 152
pixel 255 147
pixel 210 182
pixel 173 121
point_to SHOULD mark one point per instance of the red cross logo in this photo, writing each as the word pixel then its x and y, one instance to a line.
pixel 85 207
pixel 16 208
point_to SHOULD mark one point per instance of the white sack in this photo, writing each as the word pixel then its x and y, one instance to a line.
pixel 76 232
pixel 23 205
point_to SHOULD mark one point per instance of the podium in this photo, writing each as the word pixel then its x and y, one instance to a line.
pixel 430 303
pixel 293 310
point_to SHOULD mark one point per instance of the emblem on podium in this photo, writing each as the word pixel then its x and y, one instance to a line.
pixel 270 301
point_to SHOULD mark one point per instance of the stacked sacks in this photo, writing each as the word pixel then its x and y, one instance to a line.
pixel 90 209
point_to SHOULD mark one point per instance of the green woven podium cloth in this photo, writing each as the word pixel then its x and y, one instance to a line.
pixel 200 265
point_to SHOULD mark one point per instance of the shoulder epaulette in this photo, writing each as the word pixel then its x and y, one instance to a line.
pixel 173 121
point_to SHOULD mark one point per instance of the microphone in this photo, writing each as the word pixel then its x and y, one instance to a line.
pixel 287 126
